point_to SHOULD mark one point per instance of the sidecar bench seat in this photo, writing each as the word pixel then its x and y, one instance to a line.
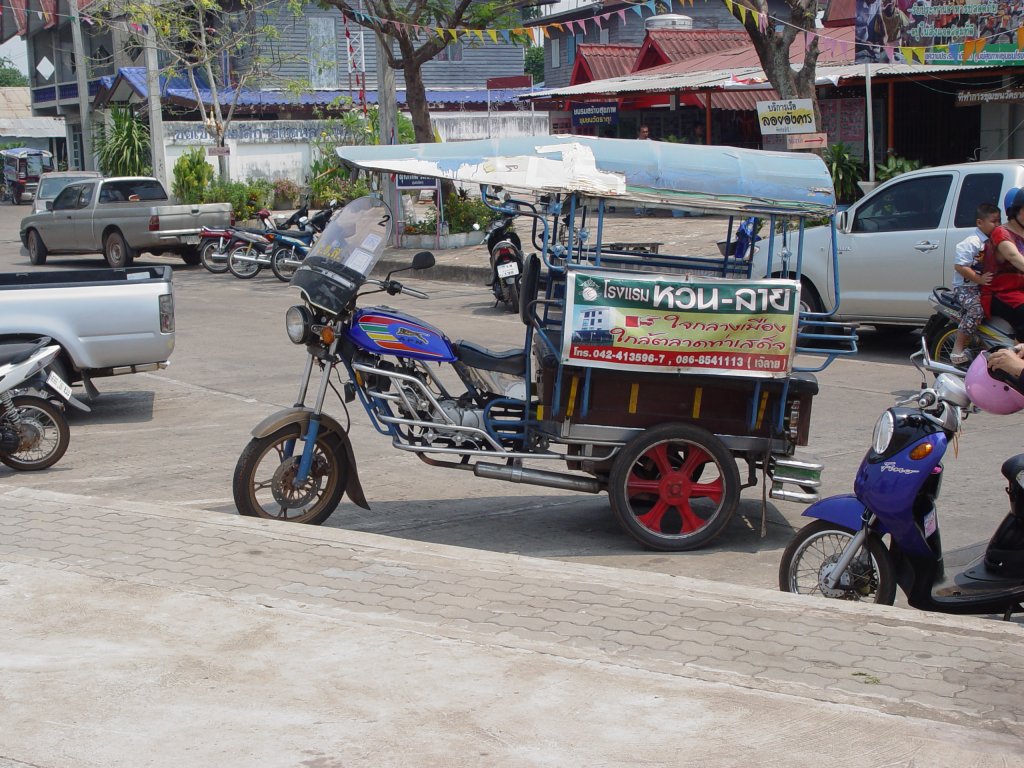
pixel 512 362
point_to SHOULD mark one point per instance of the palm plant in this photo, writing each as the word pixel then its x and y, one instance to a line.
pixel 122 145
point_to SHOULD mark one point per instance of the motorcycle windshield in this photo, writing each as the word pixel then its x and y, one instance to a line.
pixel 345 254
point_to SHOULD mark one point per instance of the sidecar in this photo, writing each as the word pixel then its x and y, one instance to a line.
pixel 649 375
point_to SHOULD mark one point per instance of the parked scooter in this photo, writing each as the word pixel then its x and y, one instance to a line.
pixel 256 251
pixel 213 241
pixel 33 431
pixel 289 250
pixel 842 554
pixel 940 331
pixel 506 256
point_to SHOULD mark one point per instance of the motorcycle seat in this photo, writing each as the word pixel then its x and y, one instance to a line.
pixel 944 296
pixel 12 354
pixel 512 362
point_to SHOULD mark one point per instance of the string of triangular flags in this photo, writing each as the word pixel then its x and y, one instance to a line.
pixel 968 49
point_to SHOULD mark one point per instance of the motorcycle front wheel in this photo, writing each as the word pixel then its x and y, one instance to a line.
pixel 814 551
pixel 207 257
pixel 263 484
pixel 44 434
pixel 243 270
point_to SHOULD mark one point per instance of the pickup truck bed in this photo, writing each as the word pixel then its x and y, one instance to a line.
pixel 107 321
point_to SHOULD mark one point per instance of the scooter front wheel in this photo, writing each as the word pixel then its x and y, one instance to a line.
pixel 243 269
pixel 43 432
pixel 264 479
pixel 812 554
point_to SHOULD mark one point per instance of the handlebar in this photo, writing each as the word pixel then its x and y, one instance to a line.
pixel 393 288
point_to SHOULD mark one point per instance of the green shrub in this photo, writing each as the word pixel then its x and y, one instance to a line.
pixel 122 147
pixel 846 171
pixel 894 166
pixel 246 198
pixel 461 213
pixel 192 176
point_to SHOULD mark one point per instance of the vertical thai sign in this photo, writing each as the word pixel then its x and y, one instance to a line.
pixel 660 323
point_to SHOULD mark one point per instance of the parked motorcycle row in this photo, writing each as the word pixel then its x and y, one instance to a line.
pixel 246 251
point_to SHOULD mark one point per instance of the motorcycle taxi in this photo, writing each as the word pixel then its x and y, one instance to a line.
pixel 648 376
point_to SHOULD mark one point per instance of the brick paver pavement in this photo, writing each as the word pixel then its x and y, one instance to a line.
pixel 964 672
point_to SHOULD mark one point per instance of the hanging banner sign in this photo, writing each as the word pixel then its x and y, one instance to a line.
pixel 937 32
pixel 676 325
pixel 789 116
pixel 602 114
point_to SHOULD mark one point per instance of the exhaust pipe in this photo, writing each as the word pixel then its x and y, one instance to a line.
pixel 252 259
pixel 537 477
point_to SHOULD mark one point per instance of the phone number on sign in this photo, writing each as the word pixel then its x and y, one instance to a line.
pixel 732 362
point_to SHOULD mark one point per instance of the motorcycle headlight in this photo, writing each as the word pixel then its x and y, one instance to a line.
pixel 297 322
pixel 884 428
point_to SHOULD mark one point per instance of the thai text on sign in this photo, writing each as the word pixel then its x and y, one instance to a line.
pixel 679 325
pixel 789 116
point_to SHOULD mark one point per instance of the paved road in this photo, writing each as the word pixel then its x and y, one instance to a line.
pixel 174 436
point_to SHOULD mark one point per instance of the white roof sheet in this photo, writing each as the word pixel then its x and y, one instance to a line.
pixel 729 79
pixel 32 127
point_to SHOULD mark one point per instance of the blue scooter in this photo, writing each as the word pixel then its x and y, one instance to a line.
pixel 842 554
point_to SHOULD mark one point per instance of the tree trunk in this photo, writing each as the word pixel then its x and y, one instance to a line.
pixel 416 101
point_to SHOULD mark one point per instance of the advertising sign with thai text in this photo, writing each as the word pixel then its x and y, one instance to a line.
pixel 788 116
pixel 915 31
pixel 602 114
pixel 681 325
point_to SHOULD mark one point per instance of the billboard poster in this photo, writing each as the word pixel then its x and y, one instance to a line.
pixel 680 324
pixel 932 32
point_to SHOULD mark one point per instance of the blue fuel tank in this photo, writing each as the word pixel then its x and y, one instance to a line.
pixel 390 332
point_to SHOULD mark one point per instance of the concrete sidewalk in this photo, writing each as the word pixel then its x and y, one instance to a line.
pixel 141 635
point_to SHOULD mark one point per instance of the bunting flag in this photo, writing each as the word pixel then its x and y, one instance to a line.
pixel 908 53
pixel 494 34
pixel 505 34
pixel 652 6
pixel 762 22
pixel 479 33
pixel 980 45
pixel 639 11
pixel 969 48
pixel 728 6
pixel 547 35
pixel 599 21
pixel 622 14
pixel 890 54
pixel 1020 38
pixel 743 14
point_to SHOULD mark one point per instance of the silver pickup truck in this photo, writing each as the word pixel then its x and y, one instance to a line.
pixel 896 243
pixel 106 321
pixel 119 217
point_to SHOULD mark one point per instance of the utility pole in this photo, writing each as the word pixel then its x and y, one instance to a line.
pixel 81 73
pixel 387 110
pixel 156 118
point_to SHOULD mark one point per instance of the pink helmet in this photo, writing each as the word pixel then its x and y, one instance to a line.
pixel 988 393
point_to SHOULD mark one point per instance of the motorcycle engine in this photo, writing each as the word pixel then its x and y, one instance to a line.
pixel 464 417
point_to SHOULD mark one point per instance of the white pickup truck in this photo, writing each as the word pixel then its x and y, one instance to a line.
pixel 107 321
pixel 119 217
pixel 897 242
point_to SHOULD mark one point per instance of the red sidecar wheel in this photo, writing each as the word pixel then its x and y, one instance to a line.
pixel 674 487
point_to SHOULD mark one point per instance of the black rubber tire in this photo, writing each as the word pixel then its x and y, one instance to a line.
pixel 191 256
pixel 206 251
pixel 116 251
pixel 37 251
pixel 809 299
pixel 42 415
pixel 673 462
pixel 255 497
pixel 823 542
pixel 510 295
pixel 281 272
pixel 243 270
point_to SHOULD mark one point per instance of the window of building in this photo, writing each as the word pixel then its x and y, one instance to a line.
pixel 556 53
pixel 603 36
pixel 323 46
pixel 570 49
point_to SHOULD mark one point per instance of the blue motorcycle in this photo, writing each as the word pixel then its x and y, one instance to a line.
pixel 842 554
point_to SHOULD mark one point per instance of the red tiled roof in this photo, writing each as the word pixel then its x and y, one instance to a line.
pixel 830 44
pixel 667 45
pixel 598 62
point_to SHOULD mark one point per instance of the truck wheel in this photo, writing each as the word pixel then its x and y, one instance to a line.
pixel 191 257
pixel 674 487
pixel 117 252
pixel 36 249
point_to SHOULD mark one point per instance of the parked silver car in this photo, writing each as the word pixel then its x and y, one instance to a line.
pixel 50 185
